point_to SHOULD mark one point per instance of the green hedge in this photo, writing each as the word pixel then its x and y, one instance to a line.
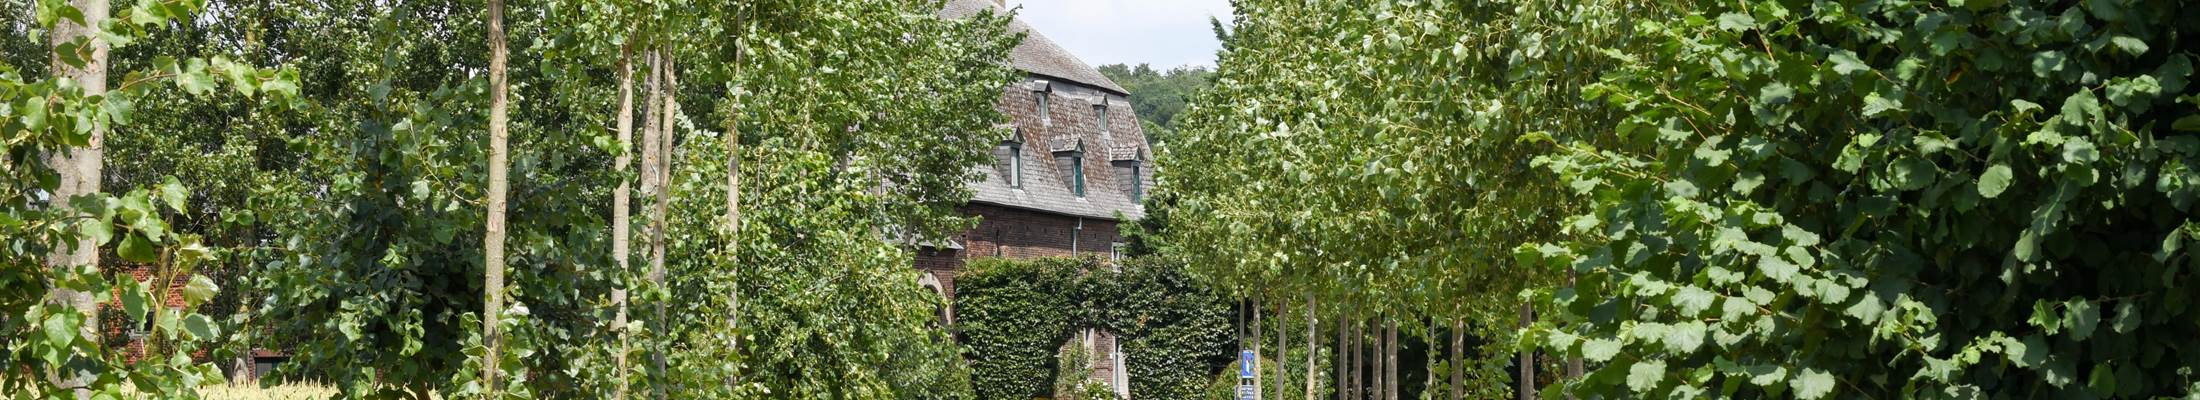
pixel 1013 315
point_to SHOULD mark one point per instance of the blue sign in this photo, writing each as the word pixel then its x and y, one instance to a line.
pixel 1247 362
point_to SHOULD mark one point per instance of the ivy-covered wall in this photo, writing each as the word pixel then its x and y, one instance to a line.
pixel 1012 315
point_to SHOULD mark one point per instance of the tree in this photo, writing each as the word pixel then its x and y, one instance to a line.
pixel 1982 199
pixel 79 167
pixel 493 279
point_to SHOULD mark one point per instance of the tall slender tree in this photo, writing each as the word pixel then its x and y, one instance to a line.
pixel 499 184
pixel 79 167
pixel 621 211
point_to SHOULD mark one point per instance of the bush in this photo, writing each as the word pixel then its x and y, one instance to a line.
pixel 1013 314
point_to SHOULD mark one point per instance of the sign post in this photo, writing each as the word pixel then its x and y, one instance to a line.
pixel 1248 366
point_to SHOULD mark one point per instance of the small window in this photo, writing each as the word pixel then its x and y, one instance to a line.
pixel 1044 118
pixel 1138 185
pixel 1115 251
pixel 1077 168
pixel 1102 111
pixel 1015 165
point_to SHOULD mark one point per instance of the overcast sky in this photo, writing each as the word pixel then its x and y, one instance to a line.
pixel 1165 33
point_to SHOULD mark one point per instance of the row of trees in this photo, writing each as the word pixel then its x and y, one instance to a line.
pixel 438 198
pixel 1724 199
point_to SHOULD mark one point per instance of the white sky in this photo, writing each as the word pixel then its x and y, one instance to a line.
pixel 1165 33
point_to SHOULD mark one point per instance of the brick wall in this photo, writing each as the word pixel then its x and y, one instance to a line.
pixel 1019 234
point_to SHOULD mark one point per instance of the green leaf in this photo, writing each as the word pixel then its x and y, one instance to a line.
pixel 1599 349
pixel 1914 173
pixel 1776 94
pixel 1685 338
pixel 2190 123
pixel 1737 22
pixel 1693 301
pixel 199 290
pixel 172 193
pixel 99 231
pixel 60 329
pixel 2127 318
pixel 1846 63
pixel 136 300
pixel 1875 104
pixel 136 248
pixel 1645 376
pixel 1812 384
pixel 1994 181
pixel 2045 317
pixel 2083 316
pixel 200 327
pixel 2102 381
pixel 2129 45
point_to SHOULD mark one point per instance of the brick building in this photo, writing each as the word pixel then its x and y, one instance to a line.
pixel 1074 165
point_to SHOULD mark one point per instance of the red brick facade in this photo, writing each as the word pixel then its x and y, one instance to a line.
pixel 1017 233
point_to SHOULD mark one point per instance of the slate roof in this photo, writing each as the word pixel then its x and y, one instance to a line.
pixel 1037 54
pixel 1048 183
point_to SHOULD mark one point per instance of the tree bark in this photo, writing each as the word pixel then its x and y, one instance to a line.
pixel 1360 357
pixel 1527 358
pixel 1283 349
pixel 1340 348
pixel 1382 379
pixel 1257 350
pixel 1313 349
pixel 1458 358
pixel 666 133
pixel 499 184
pixel 79 170
pixel 733 214
pixel 1390 355
pixel 651 155
pixel 621 214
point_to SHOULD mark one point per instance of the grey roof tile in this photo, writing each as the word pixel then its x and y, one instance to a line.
pixel 1037 54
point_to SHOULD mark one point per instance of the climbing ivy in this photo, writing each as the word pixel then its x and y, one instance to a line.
pixel 1015 315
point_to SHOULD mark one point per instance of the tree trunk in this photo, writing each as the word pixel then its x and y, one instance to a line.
pixel 1283 349
pixel 79 170
pixel 1382 379
pixel 1573 364
pixel 1390 356
pixel 1257 350
pixel 621 214
pixel 1360 357
pixel 493 244
pixel 1313 349
pixel 1527 358
pixel 1458 358
pixel 1340 348
pixel 733 216
pixel 665 134
pixel 651 153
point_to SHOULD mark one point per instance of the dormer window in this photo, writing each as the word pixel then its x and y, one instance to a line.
pixel 1015 165
pixel 1102 112
pixel 1129 172
pixel 1040 91
pixel 1077 168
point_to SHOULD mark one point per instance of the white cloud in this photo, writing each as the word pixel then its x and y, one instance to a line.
pixel 1165 33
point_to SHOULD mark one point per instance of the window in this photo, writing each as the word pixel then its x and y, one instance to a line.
pixel 1102 111
pixel 1015 165
pixel 1138 186
pixel 1077 169
pixel 1115 251
pixel 1044 119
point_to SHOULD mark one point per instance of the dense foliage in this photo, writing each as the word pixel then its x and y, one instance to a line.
pixel 1887 199
pixel 355 217
pixel 1015 316
pixel 54 118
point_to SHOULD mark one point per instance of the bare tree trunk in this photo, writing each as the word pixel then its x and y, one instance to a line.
pixel 652 153
pixel 1382 379
pixel 665 134
pixel 733 211
pixel 1390 355
pixel 1527 358
pixel 1339 350
pixel 1283 349
pixel 79 168
pixel 1360 357
pixel 493 283
pixel 621 213
pixel 1257 350
pixel 1313 350
pixel 1573 364
pixel 1458 358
